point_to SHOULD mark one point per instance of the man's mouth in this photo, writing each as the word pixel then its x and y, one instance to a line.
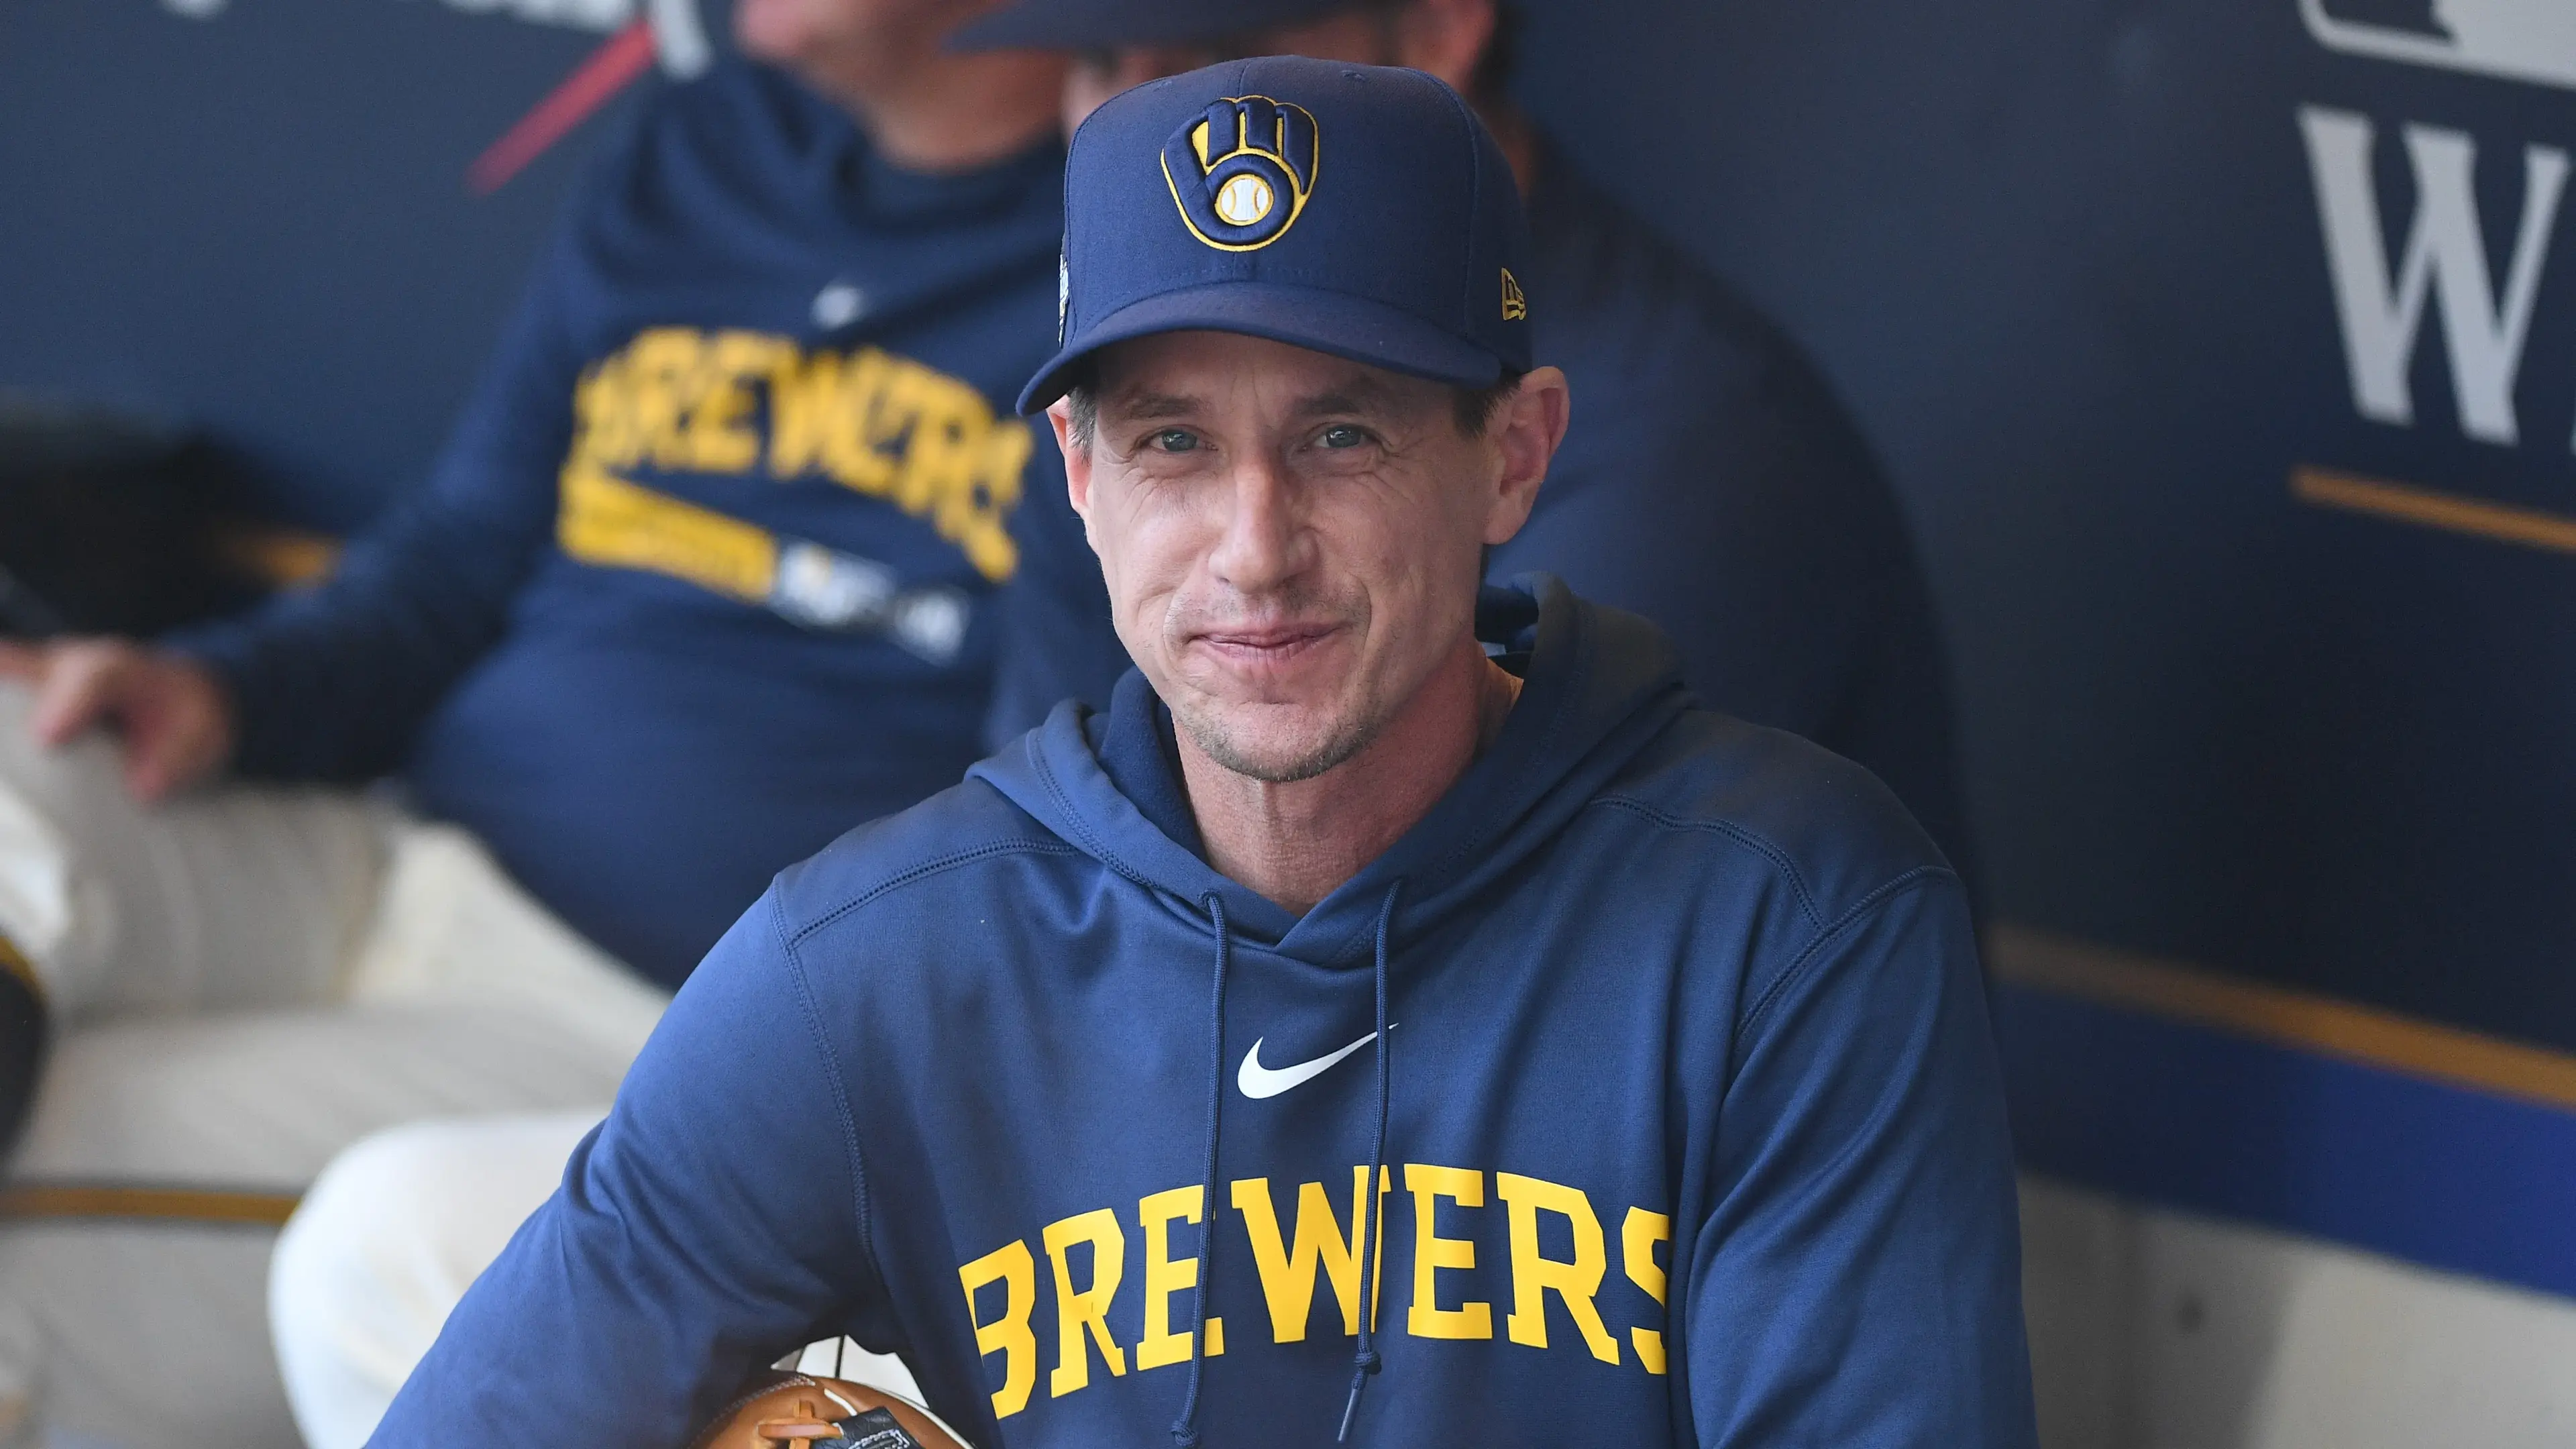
pixel 1266 645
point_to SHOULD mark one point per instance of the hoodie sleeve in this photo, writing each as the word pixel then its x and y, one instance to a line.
pixel 1858 1281
pixel 710 1225
pixel 330 682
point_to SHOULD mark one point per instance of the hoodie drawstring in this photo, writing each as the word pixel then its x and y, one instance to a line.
pixel 1185 1429
pixel 1365 1362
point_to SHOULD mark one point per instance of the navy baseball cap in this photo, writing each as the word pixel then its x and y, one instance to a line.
pixel 1357 210
pixel 1084 24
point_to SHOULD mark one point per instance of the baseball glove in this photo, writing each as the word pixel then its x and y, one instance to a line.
pixel 781 1410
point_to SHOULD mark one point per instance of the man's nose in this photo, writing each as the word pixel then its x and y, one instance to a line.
pixel 1265 542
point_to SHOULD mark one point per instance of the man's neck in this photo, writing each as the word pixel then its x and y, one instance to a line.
pixel 942 113
pixel 1296 842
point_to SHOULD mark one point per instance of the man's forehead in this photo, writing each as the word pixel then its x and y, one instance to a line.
pixel 1180 371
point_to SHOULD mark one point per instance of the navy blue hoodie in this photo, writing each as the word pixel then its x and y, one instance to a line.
pixel 1691 1126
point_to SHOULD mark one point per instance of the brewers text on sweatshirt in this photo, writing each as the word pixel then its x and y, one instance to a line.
pixel 1692 1131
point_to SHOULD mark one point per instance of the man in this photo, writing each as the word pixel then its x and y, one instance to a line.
pixel 1710 482
pixel 1673 1119
pixel 704 577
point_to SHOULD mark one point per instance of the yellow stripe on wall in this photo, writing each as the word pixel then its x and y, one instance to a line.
pixel 28 1201
pixel 2046 961
pixel 609 521
pixel 2432 508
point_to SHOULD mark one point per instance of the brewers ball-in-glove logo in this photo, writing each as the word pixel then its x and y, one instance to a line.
pixel 1242 172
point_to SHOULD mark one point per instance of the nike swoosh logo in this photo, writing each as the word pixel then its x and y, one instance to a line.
pixel 1257 1081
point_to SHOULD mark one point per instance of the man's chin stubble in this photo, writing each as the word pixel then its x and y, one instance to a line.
pixel 1213 740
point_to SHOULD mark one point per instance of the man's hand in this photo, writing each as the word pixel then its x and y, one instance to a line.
pixel 174 714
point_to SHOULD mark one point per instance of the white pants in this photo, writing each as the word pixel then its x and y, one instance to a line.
pixel 391 1236
pixel 386 1243
pixel 242 982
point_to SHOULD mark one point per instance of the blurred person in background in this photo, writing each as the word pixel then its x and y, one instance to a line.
pixel 703 579
pixel 1710 481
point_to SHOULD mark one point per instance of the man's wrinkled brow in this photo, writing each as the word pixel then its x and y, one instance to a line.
pixel 1358 395
pixel 1145 407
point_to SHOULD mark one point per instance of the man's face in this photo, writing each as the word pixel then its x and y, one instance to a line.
pixel 1292 542
pixel 1366 36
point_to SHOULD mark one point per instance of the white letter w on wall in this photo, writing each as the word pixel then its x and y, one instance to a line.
pixel 2446 249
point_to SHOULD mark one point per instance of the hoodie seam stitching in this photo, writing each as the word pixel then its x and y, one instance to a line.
pixel 1098 849
pixel 1813 951
pixel 812 1012
pixel 1760 845
pixel 919 872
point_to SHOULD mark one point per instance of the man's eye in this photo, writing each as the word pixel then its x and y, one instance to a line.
pixel 1342 435
pixel 1175 440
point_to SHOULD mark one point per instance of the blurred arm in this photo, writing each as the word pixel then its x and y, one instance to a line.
pixel 331 682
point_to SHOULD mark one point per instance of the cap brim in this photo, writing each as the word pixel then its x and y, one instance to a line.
pixel 1328 322
pixel 1102 24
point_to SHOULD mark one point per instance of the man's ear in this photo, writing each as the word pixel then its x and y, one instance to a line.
pixel 1526 432
pixel 1445 38
pixel 1077 463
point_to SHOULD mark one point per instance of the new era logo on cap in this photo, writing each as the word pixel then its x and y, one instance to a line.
pixel 1206 201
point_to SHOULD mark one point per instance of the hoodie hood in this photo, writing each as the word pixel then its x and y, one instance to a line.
pixel 1599 684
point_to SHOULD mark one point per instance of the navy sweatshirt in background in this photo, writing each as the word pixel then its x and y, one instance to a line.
pixel 1710 482
pixel 1693 1128
pixel 704 575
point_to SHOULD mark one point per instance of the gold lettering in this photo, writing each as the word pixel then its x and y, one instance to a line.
pixel 604 417
pixel 1432 1252
pixel 1288 1272
pixel 879 425
pixel 1166 1275
pixel 977 518
pixel 934 456
pixel 1532 1275
pixel 720 438
pixel 804 404
pixel 869 447
pixel 607 521
pixel 1088 1308
pixel 1637 1239
pixel 659 369
pixel 821 415
pixel 1009 1335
